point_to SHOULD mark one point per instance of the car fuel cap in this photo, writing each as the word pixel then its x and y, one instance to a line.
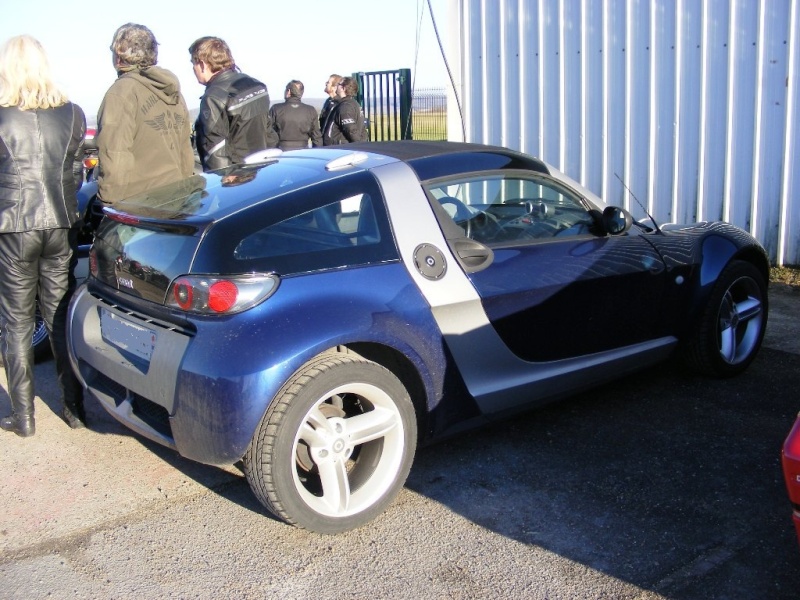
pixel 430 261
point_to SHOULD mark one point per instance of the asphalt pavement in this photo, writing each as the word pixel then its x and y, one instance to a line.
pixel 663 485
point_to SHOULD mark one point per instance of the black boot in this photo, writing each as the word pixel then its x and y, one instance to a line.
pixel 74 414
pixel 73 417
pixel 22 425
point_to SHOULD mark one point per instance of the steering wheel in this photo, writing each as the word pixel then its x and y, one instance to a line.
pixel 485 227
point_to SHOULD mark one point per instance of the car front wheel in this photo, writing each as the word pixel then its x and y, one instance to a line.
pixel 733 323
pixel 335 446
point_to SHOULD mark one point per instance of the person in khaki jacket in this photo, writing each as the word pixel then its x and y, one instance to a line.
pixel 144 131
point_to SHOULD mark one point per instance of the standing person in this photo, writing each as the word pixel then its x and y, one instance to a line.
pixel 234 116
pixel 143 126
pixel 331 100
pixel 295 122
pixel 41 147
pixel 345 123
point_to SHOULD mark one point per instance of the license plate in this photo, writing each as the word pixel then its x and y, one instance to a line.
pixel 127 336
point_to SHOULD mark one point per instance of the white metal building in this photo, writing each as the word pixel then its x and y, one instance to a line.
pixel 692 103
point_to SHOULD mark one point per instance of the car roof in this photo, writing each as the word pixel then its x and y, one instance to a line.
pixel 432 159
pixel 207 197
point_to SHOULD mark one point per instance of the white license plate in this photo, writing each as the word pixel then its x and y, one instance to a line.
pixel 127 336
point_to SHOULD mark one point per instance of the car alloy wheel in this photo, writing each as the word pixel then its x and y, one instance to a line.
pixel 733 324
pixel 335 446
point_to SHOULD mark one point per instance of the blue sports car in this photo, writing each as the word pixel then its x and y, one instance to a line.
pixel 317 314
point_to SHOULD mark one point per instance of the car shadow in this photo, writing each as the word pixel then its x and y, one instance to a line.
pixel 667 480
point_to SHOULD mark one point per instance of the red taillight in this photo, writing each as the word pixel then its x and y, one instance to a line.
pixel 90 162
pixel 184 296
pixel 210 294
pixel 222 296
pixel 120 217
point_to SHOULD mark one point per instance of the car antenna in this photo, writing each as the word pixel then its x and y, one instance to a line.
pixel 649 216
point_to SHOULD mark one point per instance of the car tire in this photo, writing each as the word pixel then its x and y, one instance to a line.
pixel 732 326
pixel 335 446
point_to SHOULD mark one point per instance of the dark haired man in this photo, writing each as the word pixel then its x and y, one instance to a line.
pixel 295 122
pixel 143 128
pixel 345 123
pixel 234 119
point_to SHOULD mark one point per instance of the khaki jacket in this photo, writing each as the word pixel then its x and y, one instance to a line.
pixel 143 134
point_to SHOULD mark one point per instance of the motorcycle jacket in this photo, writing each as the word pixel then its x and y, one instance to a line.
pixel 295 123
pixel 41 169
pixel 234 120
pixel 326 109
pixel 345 123
pixel 143 134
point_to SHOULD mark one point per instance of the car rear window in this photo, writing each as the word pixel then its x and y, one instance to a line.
pixel 221 191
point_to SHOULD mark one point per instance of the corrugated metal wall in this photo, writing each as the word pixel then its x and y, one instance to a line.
pixel 692 103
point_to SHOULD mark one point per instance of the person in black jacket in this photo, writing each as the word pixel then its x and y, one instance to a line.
pixel 345 123
pixel 295 122
pixel 41 147
pixel 234 119
pixel 330 101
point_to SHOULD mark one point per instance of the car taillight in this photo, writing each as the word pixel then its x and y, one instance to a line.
pixel 204 294
pixel 791 463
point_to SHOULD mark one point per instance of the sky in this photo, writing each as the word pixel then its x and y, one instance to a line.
pixel 272 40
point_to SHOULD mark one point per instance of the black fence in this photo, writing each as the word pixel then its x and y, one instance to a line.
pixel 429 114
pixel 396 112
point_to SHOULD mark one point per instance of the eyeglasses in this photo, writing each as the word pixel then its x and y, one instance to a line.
pixel 339 85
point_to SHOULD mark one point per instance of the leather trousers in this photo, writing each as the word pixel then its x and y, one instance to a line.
pixel 36 263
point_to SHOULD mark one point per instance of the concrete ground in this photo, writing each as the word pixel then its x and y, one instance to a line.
pixel 64 491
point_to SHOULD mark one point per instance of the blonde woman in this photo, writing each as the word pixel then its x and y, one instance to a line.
pixel 41 142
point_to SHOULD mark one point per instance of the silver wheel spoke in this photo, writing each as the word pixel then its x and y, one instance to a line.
pixel 335 484
pixel 371 425
pixel 748 309
pixel 728 344
pixel 315 430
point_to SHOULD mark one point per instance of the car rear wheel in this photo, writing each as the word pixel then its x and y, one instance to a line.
pixel 335 446
pixel 733 323
pixel 41 339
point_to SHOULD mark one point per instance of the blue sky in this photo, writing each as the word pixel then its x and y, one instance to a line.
pixel 272 40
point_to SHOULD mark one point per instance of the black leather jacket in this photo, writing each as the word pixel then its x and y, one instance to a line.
pixel 234 120
pixel 345 123
pixel 295 123
pixel 41 169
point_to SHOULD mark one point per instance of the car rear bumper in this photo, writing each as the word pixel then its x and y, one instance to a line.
pixel 137 391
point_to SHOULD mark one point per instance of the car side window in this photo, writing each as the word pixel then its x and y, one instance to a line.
pixel 501 209
pixel 346 223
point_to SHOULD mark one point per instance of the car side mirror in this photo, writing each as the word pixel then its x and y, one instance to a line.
pixel 616 220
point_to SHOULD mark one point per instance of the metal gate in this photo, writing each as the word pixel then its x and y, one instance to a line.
pixel 386 99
